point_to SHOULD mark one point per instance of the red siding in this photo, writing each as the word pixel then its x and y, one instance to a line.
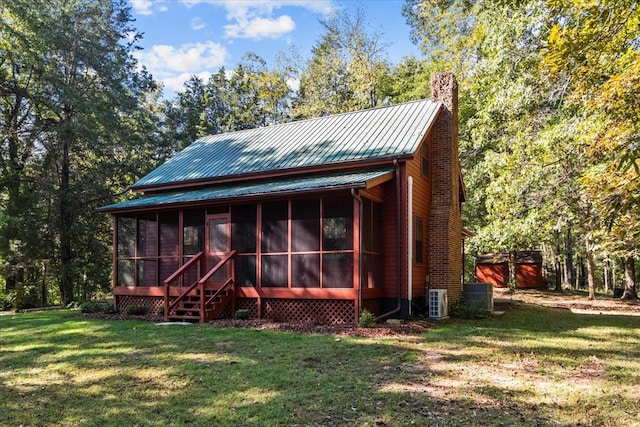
pixel 529 275
pixel 421 208
pixel 496 274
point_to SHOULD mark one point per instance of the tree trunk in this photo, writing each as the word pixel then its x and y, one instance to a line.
pixel 66 212
pixel 605 274
pixel 570 276
pixel 556 258
pixel 590 267
pixel 629 279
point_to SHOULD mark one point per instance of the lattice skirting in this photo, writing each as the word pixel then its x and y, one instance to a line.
pixel 316 311
pixel 153 303
pixel 279 310
pixel 250 304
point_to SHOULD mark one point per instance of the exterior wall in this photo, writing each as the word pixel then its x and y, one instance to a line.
pixel 529 275
pixel 421 207
pixel 391 240
pixel 445 224
pixel 497 274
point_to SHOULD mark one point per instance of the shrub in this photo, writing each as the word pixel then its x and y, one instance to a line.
pixel 469 310
pixel 367 319
pixel 97 307
pixel 242 314
pixel 5 303
pixel 160 310
pixel 137 310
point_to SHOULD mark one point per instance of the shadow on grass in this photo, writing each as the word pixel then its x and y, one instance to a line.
pixel 58 370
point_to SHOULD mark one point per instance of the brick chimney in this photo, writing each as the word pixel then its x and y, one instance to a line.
pixel 445 225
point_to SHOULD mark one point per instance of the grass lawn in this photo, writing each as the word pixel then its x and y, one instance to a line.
pixel 531 366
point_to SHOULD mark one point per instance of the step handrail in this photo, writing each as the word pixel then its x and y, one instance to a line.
pixel 217 267
pixel 219 291
pixel 207 276
pixel 177 274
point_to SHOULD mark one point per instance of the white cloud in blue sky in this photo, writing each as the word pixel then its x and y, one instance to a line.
pixel 196 37
pixel 252 20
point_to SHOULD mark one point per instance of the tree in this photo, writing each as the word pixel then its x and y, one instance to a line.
pixel 523 162
pixel 348 69
pixel 83 89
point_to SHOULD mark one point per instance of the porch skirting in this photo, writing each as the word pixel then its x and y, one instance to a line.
pixel 277 309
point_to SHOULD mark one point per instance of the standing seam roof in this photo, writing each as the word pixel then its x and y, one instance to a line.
pixel 362 135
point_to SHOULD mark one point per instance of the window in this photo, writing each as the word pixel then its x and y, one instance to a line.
pixel 418 238
pixel 275 244
pixel 244 220
pixel 137 250
pixel 168 244
pixel 304 243
pixel 337 224
pixel 337 243
pixel 147 246
pixel 372 273
pixel 305 225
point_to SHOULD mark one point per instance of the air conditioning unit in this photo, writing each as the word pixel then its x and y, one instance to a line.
pixel 438 304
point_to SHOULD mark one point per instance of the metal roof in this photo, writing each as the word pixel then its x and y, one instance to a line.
pixel 391 131
pixel 282 186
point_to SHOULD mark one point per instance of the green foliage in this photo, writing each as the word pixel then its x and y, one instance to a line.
pixel 137 310
pixel 74 127
pixel 347 71
pixel 469 309
pixel 367 319
pixel 160 310
pixel 97 306
pixel 242 314
pixel 5 302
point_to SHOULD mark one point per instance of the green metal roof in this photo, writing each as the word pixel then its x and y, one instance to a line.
pixel 248 189
pixel 392 131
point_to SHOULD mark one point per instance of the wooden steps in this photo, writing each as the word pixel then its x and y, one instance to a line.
pixel 188 308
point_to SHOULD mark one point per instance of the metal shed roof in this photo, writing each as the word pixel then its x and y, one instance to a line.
pixel 361 179
pixel 383 132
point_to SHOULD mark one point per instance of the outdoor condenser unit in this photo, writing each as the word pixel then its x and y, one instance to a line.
pixel 438 303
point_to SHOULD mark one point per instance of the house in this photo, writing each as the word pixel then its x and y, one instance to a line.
pixel 315 220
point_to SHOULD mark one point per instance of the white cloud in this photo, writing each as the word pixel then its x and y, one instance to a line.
pixel 174 65
pixel 146 7
pixel 260 28
pixel 176 83
pixel 187 57
pixel 142 7
pixel 253 19
pixel 197 23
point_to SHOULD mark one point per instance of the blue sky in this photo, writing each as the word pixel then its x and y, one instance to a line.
pixel 185 37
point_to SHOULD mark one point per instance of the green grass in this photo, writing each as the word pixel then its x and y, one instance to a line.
pixel 532 366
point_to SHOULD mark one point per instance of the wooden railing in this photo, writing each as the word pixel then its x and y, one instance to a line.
pixel 170 305
pixel 207 276
pixel 175 276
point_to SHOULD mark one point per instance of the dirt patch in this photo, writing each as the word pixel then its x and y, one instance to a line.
pixel 572 300
pixel 387 329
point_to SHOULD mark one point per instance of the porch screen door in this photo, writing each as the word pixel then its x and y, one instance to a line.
pixel 218 244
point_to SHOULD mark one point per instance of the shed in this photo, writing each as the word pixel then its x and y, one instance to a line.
pixel 493 268
pixel 529 269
